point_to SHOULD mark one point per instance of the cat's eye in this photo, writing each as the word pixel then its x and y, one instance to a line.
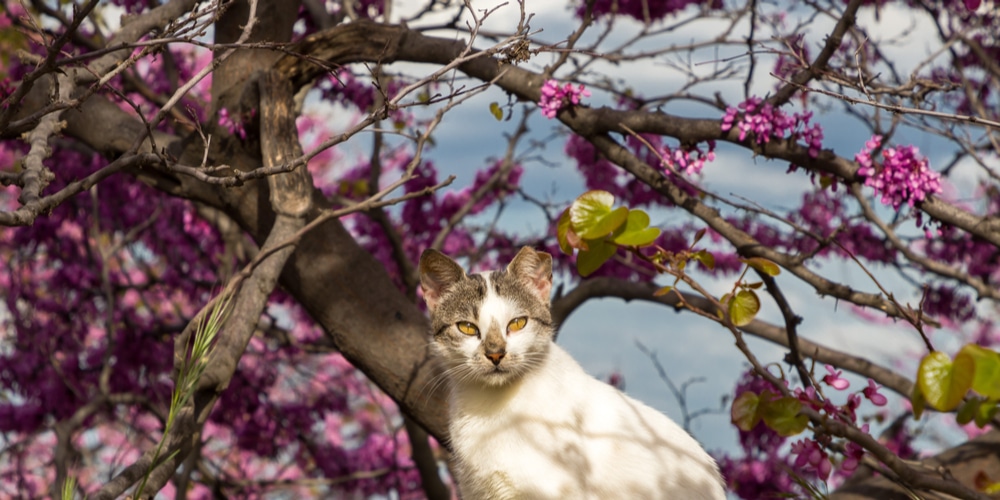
pixel 516 324
pixel 467 328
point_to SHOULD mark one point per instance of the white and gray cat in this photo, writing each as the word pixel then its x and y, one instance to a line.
pixel 526 421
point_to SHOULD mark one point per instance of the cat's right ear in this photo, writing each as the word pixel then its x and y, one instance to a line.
pixel 534 268
pixel 438 274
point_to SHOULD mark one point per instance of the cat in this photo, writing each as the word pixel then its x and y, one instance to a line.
pixel 525 420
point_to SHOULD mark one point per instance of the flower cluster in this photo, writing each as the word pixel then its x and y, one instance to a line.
pixel 810 452
pixel 764 121
pixel 904 176
pixel 555 97
pixel 689 159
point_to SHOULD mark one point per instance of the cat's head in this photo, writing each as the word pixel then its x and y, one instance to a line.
pixel 489 328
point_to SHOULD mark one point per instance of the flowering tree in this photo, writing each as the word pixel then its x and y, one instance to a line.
pixel 155 155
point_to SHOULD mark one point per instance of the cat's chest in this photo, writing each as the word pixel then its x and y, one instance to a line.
pixel 516 452
pixel 533 438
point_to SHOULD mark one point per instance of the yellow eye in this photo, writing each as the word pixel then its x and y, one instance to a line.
pixel 516 324
pixel 467 328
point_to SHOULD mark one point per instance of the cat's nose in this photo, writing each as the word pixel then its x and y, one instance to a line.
pixel 495 357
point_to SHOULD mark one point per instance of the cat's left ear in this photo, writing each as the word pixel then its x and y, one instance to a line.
pixel 535 269
pixel 438 274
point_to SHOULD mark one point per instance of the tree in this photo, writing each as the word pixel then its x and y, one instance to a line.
pixel 155 159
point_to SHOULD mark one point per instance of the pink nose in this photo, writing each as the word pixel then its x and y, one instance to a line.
pixel 495 357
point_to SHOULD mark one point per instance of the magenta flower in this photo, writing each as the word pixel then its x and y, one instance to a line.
pixel 555 98
pixel 688 159
pixel 834 380
pixel 809 456
pixel 764 121
pixel 871 392
pixel 904 177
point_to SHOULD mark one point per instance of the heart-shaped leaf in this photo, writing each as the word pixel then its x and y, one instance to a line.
pixel 705 258
pixel 591 215
pixel 591 259
pixel 763 265
pixel 636 230
pixel 743 307
pixel 784 415
pixel 562 228
pixel 987 369
pixel 944 382
pixel 745 412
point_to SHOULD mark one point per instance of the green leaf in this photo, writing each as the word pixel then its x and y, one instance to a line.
pixel 987 369
pixel 944 382
pixel 967 411
pixel 763 265
pixel 591 259
pixel 743 307
pixel 562 228
pixel 591 215
pixel 663 291
pixel 496 111
pixel 745 412
pixel 724 300
pixel 705 258
pixel 985 413
pixel 636 231
pixel 784 415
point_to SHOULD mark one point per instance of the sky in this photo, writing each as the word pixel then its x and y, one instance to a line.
pixel 603 334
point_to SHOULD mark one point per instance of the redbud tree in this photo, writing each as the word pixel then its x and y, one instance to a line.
pixel 212 212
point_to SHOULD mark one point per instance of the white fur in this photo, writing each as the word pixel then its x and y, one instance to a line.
pixel 558 433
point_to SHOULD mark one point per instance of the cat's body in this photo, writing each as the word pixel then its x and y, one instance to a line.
pixel 528 422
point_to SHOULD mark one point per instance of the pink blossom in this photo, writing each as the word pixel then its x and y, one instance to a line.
pixel 688 159
pixel 810 456
pixel 555 98
pixel 904 176
pixel 871 392
pixel 851 406
pixel 834 380
pixel 763 121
